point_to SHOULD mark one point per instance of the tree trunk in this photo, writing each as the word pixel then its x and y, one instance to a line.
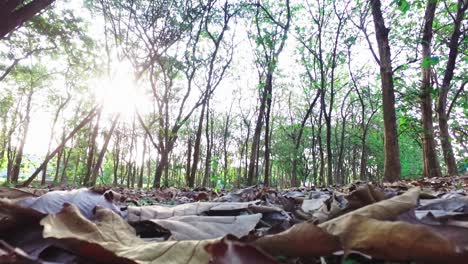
pixel 19 154
pixel 100 158
pixel 431 161
pixel 85 121
pixel 189 160
pixel 14 13
pixel 92 149
pixel 392 166
pixel 252 176
pixel 196 148
pixel 160 168
pixel 52 132
pixel 454 44
pixel 209 134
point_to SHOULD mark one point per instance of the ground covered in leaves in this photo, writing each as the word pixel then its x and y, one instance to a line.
pixel 422 221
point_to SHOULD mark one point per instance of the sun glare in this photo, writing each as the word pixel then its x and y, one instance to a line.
pixel 118 94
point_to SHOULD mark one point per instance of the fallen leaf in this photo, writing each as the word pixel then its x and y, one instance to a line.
pixel 113 239
pixel 14 193
pixel 136 214
pixel 229 251
pixel 398 241
pixel 207 227
pixel 304 239
pixel 52 202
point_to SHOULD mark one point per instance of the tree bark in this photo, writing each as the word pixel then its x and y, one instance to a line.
pixel 392 166
pixel 100 158
pixel 19 154
pixel 13 13
pixel 454 43
pixel 196 148
pixel 92 150
pixel 430 159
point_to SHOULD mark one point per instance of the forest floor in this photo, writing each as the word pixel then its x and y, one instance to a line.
pixel 420 221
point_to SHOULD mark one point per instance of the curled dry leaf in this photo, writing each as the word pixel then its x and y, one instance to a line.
pixel 85 199
pixel 384 210
pixel 206 227
pixel 366 230
pixel 364 195
pixel 113 239
pixel 229 251
pixel 304 239
pixel 143 213
pixel 398 241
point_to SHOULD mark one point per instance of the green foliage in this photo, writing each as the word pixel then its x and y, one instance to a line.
pixel 429 61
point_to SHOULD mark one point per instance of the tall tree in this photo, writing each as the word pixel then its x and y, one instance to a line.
pixel 443 116
pixel 392 166
pixel 431 161
pixel 271 24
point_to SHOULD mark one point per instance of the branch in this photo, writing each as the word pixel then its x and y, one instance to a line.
pixel 457 94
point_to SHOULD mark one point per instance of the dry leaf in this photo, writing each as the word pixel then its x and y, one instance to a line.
pixel 229 251
pixel 304 239
pixel 85 199
pixel 14 193
pixel 110 237
pixel 207 227
pixel 396 241
pixel 136 214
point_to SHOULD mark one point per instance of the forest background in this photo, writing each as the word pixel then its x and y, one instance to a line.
pixel 233 93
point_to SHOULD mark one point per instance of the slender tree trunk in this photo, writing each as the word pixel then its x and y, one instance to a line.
pixel 209 131
pixel 225 143
pixel 431 161
pixel 392 166
pixel 454 44
pixel 85 121
pixel 52 132
pixel 269 88
pixel 252 176
pixel 163 162
pixel 19 154
pixel 100 158
pixel 189 160
pixel 77 166
pixel 321 154
pixel 142 166
pixel 63 176
pixel 92 150
pixel 57 167
pixel 196 148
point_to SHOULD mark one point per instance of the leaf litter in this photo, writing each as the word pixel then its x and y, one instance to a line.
pixel 424 221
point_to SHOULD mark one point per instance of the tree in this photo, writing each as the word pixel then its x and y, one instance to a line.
pixel 270 38
pixel 454 43
pixel 392 166
pixel 14 13
pixel 431 161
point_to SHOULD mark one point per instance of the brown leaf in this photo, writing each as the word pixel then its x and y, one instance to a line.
pixel 113 239
pixel 206 227
pixel 143 213
pixel 364 195
pixel 396 241
pixel 229 251
pixel 384 210
pixel 304 239
pixel 52 202
pixel 14 193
